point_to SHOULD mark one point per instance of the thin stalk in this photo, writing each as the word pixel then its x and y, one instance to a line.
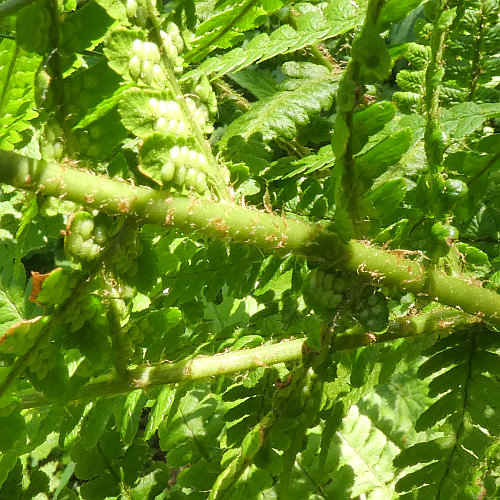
pixel 202 367
pixel 241 224
pixel 434 146
pixel 351 87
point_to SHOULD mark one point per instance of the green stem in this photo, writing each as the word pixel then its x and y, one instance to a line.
pixel 351 87
pixel 202 367
pixel 231 222
pixel 434 146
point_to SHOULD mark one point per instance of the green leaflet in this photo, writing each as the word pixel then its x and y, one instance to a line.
pixel 17 97
pixel 145 112
pixel 84 29
pixel 128 415
pixel 118 49
pixel 469 424
pixel 384 198
pixel 463 119
pixel 369 452
pixel 281 114
pixel 94 466
pixel 285 168
pixel 411 81
pixel 205 425
pixel 20 337
pixel 225 28
pixel 339 17
pixel 395 11
pixel 369 121
pixel 92 93
pixel 97 420
pixel 154 152
pixel 160 410
pixel 12 284
pixel 116 9
pixel 34 15
pixel 372 163
pixel 260 83
pixel 102 136
pixel 11 431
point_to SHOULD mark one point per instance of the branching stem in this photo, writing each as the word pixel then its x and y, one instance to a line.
pixel 202 367
pixel 242 224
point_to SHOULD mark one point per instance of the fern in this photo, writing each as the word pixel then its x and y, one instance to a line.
pixel 249 250
pixel 337 18
pixel 280 114
pixel 17 96
pixel 467 397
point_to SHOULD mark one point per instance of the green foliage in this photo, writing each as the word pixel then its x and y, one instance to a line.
pixel 205 327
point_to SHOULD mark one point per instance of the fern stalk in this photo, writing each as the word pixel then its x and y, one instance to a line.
pixel 264 230
pixel 434 141
pixel 202 367
pixel 351 87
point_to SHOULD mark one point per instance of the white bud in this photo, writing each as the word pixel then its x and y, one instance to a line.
pixel 193 155
pixel 151 51
pixel 191 104
pixel 201 183
pixel 134 66
pixel 182 128
pixel 162 107
pixel 174 108
pixel 167 40
pixel 175 152
pixel 137 47
pixel 172 29
pixel 85 228
pixel 171 51
pixel 201 159
pixel 131 8
pixel 161 124
pixel 146 70
pixel 184 154
pixel 158 75
pixel 172 124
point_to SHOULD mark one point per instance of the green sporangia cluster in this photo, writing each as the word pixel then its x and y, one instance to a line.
pixel 84 238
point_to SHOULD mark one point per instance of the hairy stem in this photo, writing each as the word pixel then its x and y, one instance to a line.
pixel 235 223
pixel 434 143
pixel 201 367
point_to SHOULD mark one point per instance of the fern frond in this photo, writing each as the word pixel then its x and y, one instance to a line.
pixel 281 114
pixel 467 411
pixel 286 168
pixel 395 406
pixel 471 54
pixel 226 27
pixel 357 449
pixel 17 95
pixel 337 18
pixel 190 437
